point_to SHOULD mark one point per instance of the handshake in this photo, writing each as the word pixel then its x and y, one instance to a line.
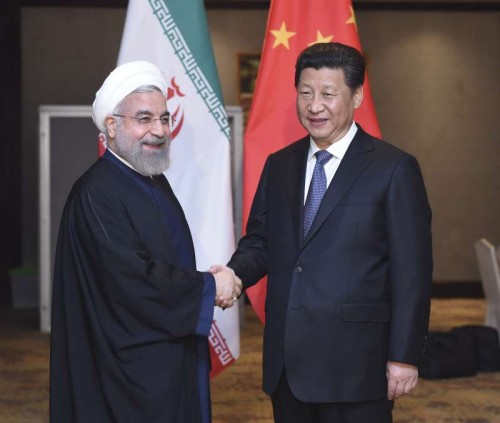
pixel 227 286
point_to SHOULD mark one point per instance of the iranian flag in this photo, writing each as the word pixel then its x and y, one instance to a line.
pixel 173 35
pixel 272 124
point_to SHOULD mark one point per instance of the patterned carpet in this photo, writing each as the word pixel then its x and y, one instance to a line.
pixel 236 393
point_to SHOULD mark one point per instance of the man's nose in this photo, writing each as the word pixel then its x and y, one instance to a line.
pixel 159 129
pixel 315 105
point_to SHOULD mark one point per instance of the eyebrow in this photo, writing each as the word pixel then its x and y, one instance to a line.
pixel 323 85
pixel 148 112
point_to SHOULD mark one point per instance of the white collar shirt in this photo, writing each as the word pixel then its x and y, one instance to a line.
pixel 337 149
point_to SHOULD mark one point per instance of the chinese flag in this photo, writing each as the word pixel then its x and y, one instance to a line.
pixel 272 124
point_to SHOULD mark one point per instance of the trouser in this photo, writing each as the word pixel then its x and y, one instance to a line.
pixel 288 409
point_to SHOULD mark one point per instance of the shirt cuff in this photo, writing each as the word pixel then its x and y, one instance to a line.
pixel 207 305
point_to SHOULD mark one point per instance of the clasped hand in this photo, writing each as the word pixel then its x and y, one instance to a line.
pixel 227 286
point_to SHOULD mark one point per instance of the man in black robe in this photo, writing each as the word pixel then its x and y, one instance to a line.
pixel 130 313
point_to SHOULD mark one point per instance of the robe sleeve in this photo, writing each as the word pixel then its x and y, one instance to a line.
pixel 207 305
pixel 134 295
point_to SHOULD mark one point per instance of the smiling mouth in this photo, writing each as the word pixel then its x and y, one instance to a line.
pixel 154 145
pixel 317 121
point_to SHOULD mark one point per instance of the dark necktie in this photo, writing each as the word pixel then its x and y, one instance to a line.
pixel 317 189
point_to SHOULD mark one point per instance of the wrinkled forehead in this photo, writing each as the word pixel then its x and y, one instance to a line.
pixel 151 103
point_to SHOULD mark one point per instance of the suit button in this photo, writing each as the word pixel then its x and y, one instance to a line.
pixel 298 269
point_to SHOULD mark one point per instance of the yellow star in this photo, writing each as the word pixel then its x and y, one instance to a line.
pixel 321 39
pixel 282 36
pixel 352 18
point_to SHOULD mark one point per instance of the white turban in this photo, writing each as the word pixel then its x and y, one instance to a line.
pixel 120 83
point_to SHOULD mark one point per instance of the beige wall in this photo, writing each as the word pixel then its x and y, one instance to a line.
pixel 435 79
pixel 434 76
pixel 233 32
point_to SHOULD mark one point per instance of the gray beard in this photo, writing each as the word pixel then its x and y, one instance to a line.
pixel 146 163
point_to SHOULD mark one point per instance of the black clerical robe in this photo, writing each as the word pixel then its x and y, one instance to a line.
pixel 130 313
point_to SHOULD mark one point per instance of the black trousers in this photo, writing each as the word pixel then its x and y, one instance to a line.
pixel 288 409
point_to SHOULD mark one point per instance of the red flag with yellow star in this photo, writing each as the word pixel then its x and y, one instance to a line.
pixel 292 26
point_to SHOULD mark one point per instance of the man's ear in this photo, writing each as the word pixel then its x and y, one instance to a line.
pixel 110 123
pixel 358 97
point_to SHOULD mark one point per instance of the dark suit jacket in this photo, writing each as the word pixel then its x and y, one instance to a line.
pixel 356 292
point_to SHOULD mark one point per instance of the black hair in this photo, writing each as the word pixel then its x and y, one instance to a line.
pixel 333 56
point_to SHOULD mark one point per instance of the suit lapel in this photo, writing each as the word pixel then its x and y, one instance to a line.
pixel 296 164
pixel 351 166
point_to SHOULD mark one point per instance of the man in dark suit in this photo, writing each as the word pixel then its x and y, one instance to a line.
pixel 349 270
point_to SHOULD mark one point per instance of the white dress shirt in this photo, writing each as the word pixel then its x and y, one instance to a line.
pixel 337 149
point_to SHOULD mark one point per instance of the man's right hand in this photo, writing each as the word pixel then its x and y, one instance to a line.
pixel 227 286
